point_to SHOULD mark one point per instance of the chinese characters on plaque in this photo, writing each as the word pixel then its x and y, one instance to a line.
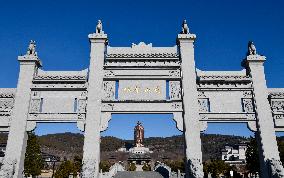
pixel 138 89
pixel 142 90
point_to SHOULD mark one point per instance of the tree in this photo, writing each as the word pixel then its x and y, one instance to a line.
pixel 33 163
pixel 105 166
pixel 77 163
pixel 132 167
pixel 65 169
pixel 216 167
pixel 176 165
pixel 252 157
pixel 146 167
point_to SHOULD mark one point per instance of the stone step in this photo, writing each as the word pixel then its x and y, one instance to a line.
pixel 138 174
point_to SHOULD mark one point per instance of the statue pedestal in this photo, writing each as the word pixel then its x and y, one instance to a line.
pixel 139 155
pixel 139 150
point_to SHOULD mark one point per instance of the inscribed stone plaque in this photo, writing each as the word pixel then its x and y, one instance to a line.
pixel 142 90
pixel 58 105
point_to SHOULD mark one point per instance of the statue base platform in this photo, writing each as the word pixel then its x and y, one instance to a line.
pixel 139 150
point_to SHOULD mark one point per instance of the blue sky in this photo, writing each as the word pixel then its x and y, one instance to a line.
pixel 223 29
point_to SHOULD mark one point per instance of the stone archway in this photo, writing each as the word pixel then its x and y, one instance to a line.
pixel 145 79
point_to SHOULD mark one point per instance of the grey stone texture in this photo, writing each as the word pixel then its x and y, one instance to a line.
pixel 138 174
pixel 141 79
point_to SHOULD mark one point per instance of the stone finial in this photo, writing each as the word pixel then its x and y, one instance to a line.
pixel 32 48
pixel 251 48
pixel 141 45
pixel 185 29
pixel 99 28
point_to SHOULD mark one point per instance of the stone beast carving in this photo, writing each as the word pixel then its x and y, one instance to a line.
pixel 251 48
pixel 31 49
pixel 185 29
pixel 99 28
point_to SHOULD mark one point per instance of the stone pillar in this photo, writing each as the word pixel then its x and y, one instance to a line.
pixel 91 155
pixel 270 164
pixel 194 167
pixel 16 146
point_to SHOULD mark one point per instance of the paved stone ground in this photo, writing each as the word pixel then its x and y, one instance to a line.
pixel 138 174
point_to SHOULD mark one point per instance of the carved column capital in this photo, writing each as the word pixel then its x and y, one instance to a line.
pixel 29 59
pixel 98 38
pixel 253 60
pixel 185 38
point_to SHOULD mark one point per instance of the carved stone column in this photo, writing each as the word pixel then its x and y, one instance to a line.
pixel 270 164
pixel 194 167
pixel 13 164
pixel 91 155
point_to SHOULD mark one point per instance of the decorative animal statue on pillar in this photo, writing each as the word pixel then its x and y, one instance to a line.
pixel 185 29
pixel 31 49
pixel 251 48
pixel 99 28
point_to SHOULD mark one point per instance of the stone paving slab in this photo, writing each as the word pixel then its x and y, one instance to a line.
pixel 138 174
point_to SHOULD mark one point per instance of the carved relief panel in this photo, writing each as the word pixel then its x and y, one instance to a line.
pixel 247 94
pixel 247 104
pixel 6 104
pixel 174 73
pixel 277 105
pixel 82 106
pixel 175 90
pixel 35 105
pixel 204 105
pixel 109 90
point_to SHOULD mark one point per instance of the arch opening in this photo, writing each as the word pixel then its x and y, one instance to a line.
pixel 162 142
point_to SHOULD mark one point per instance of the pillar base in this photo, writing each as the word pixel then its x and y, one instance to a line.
pixel 195 168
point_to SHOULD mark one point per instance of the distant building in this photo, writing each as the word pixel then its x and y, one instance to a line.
pixel 122 149
pixel 49 159
pixel 235 154
pixel 139 159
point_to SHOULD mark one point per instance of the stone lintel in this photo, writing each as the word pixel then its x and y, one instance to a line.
pixel 30 59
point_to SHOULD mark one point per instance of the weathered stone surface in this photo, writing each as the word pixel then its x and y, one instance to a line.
pixel 138 174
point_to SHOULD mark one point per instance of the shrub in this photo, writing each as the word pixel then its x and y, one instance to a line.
pixel 132 167
pixel 146 167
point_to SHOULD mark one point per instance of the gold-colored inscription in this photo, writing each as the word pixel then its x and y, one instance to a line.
pixel 157 90
pixel 127 89
pixel 147 90
pixel 138 89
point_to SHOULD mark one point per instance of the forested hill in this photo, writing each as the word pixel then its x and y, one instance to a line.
pixel 71 144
